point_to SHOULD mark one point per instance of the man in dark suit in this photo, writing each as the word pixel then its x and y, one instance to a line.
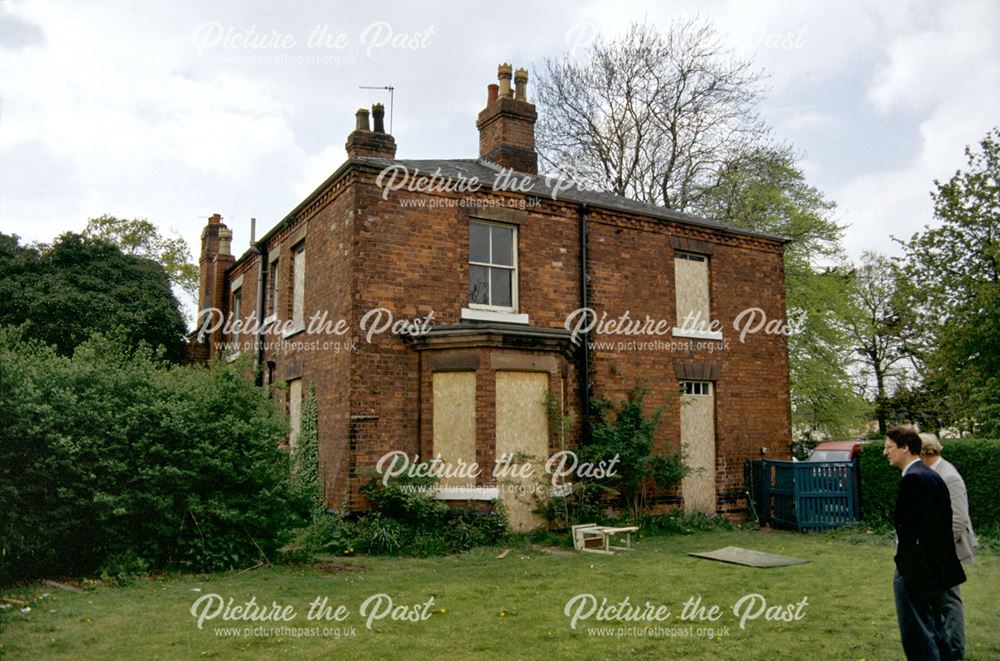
pixel 926 563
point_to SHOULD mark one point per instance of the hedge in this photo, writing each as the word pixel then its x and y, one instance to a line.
pixel 978 461
pixel 113 457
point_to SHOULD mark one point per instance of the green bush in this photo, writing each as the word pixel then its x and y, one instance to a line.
pixel 114 457
pixel 406 519
pixel 624 443
pixel 978 461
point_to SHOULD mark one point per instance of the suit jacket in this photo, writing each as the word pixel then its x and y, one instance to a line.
pixel 965 538
pixel 925 555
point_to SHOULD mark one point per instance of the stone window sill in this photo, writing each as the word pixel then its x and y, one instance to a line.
pixel 697 335
pixel 489 315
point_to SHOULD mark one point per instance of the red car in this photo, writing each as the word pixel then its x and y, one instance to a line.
pixel 836 451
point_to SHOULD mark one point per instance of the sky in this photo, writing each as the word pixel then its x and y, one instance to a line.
pixel 176 110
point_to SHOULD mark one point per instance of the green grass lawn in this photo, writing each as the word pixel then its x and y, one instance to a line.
pixel 513 608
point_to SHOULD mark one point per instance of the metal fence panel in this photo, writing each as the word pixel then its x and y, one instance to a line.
pixel 803 495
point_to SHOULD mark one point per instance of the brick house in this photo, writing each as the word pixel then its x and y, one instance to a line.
pixel 481 266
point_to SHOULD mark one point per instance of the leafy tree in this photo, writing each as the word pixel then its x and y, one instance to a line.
pixel 79 285
pixel 924 404
pixel 765 190
pixel 953 272
pixel 652 116
pixel 878 329
pixel 138 236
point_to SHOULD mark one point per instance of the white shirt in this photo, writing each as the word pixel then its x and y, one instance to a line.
pixel 934 466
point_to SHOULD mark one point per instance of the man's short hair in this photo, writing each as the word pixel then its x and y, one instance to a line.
pixel 930 446
pixel 905 435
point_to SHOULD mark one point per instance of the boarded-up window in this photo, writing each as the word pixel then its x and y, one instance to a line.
pixel 522 436
pixel 294 411
pixel 691 284
pixel 237 311
pixel 298 285
pixel 454 396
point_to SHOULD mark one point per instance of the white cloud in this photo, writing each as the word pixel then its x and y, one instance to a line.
pixel 945 72
pixel 953 55
pixel 112 109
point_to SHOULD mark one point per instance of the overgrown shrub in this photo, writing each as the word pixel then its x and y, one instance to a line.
pixel 622 437
pixel 304 459
pixel 977 460
pixel 406 519
pixel 115 457
pixel 629 437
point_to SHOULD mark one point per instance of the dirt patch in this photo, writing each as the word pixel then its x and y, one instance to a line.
pixel 336 567
pixel 556 550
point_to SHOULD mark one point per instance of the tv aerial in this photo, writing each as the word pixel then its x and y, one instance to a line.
pixel 383 87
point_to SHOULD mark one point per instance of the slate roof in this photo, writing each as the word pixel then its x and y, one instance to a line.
pixel 485 173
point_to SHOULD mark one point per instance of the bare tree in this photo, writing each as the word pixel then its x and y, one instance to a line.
pixel 652 116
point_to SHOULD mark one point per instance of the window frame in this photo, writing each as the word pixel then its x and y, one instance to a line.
pixel 273 289
pixel 514 269
pixel 237 309
pixel 690 256
pixel 688 388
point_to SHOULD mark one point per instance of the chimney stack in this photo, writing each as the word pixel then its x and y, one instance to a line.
pixel 507 124
pixel 363 142
pixel 216 257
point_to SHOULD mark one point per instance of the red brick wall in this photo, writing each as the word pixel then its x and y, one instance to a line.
pixel 632 268
pixel 328 248
pixel 364 252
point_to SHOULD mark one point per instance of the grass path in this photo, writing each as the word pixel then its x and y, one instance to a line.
pixel 513 608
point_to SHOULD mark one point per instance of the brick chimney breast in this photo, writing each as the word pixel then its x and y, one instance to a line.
pixel 507 123
pixel 216 257
pixel 363 142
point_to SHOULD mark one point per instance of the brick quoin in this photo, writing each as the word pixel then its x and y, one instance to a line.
pixel 369 248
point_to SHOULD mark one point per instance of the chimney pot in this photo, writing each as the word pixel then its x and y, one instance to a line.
pixel 492 91
pixel 521 84
pixel 214 219
pixel 362 120
pixel 378 114
pixel 225 241
pixel 504 74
